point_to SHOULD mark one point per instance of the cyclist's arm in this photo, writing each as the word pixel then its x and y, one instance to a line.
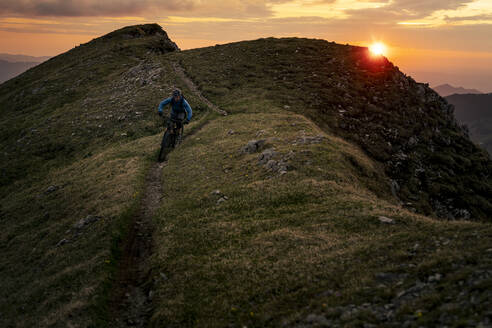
pixel 188 109
pixel 164 103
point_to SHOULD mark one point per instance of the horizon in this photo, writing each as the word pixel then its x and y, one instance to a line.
pixel 435 42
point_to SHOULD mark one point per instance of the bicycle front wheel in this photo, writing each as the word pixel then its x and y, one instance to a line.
pixel 166 146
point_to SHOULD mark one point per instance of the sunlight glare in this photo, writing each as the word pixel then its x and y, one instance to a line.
pixel 378 49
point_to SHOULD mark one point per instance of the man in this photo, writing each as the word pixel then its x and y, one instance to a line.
pixel 180 109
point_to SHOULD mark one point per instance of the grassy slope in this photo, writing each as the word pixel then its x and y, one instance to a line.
pixel 98 94
pixel 48 285
pixel 286 246
pixel 404 125
pixel 97 170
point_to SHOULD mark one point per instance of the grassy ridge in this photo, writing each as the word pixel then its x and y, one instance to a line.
pixel 284 246
pixel 404 125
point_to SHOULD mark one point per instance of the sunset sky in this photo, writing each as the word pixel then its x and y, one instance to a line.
pixel 435 41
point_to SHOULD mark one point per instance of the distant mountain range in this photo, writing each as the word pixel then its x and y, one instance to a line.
pixel 475 110
pixel 445 90
pixel 23 58
pixel 13 65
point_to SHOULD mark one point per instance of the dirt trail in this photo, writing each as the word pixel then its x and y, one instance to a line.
pixel 131 299
pixel 180 71
pixel 131 302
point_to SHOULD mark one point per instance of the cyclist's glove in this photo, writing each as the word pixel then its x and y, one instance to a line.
pixel 186 122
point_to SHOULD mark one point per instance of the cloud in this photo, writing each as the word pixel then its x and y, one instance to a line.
pixel 462 19
pixel 405 10
pixel 71 8
pixel 114 8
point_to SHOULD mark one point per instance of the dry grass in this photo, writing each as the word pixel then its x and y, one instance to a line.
pixel 55 286
pixel 267 254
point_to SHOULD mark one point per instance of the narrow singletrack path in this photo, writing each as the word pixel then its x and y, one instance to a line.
pixel 189 83
pixel 131 304
pixel 131 298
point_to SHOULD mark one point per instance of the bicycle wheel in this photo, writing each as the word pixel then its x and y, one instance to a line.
pixel 166 145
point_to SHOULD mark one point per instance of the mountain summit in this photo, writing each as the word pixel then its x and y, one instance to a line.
pixel 336 191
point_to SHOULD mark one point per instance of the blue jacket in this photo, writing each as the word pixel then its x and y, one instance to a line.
pixel 177 107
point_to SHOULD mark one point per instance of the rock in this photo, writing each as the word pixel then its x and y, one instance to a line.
pixel 253 146
pixel 317 319
pixel 384 219
pixel 216 193
pixel 266 155
pixel 62 242
pixel 271 165
pixel 260 133
pixel 449 307
pixel 346 316
pixel 221 200
pixel 369 325
pixel 86 221
pixel 462 214
pixel 385 276
pixel 286 107
pixel 395 188
pixel 231 132
pixel 51 189
pixel 400 294
pixel 308 140
pixel 436 277
pixel 124 134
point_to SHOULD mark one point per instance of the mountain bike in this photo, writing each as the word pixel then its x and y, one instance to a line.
pixel 172 137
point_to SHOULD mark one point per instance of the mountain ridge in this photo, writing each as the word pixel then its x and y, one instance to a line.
pixel 282 212
pixel 368 101
pixel 446 90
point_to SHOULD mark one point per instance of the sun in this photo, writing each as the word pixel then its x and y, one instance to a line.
pixel 378 49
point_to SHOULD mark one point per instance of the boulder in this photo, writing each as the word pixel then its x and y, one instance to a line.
pixel 266 155
pixel 253 146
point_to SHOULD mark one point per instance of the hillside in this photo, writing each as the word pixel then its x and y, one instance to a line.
pixel 434 168
pixel 446 90
pixel 303 206
pixel 475 111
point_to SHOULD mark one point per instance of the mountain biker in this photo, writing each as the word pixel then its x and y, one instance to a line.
pixel 180 109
